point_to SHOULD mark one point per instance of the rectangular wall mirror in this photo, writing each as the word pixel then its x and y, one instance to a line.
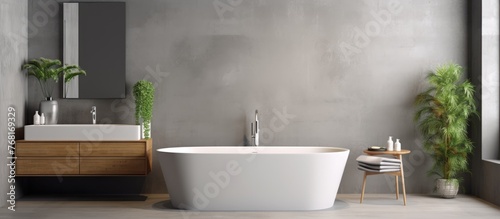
pixel 94 39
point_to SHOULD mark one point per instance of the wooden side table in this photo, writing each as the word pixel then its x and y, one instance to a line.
pixel 397 174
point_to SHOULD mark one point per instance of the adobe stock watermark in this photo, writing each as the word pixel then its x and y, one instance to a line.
pixel 362 36
pixel 277 124
pixel 39 19
pixel 69 165
pixel 125 107
pixel 220 180
pixel 411 163
pixel 95 135
pixel 11 148
pixel 50 9
pixel 224 6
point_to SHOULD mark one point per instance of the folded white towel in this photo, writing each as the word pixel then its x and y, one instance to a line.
pixel 374 160
pixel 378 167
pixel 377 171
pixel 381 164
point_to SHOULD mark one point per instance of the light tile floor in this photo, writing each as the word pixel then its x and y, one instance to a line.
pixel 346 206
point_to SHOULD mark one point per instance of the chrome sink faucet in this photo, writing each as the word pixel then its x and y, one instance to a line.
pixel 93 111
pixel 256 129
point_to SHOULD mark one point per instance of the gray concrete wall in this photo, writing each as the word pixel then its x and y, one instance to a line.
pixel 13 90
pixel 483 59
pixel 347 71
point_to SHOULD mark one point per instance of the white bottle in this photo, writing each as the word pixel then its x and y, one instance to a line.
pixel 36 119
pixel 42 119
pixel 397 146
pixel 390 144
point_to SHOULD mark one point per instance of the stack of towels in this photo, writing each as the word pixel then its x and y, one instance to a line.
pixel 378 164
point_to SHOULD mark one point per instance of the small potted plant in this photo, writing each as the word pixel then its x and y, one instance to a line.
pixel 48 72
pixel 442 116
pixel 144 97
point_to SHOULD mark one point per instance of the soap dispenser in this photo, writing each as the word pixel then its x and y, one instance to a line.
pixel 390 144
pixel 36 119
pixel 42 119
pixel 397 145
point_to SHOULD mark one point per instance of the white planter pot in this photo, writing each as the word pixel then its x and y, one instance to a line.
pixel 447 188
pixel 145 130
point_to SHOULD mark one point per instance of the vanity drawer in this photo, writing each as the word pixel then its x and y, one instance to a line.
pixel 112 149
pixel 47 149
pixel 48 166
pixel 112 166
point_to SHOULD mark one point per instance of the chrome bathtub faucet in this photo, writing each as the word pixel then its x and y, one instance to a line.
pixel 256 129
pixel 93 111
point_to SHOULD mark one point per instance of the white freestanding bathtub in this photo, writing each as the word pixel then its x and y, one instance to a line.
pixel 252 178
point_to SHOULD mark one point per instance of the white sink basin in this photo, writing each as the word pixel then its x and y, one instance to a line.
pixel 82 132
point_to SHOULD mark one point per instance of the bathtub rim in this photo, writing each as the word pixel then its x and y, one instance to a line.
pixel 251 149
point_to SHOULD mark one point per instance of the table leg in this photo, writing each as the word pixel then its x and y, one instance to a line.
pixel 403 180
pixel 363 189
pixel 397 188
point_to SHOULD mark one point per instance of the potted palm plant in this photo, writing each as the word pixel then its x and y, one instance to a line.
pixel 442 118
pixel 144 96
pixel 48 72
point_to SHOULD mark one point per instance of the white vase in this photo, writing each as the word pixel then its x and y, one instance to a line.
pixel 50 109
pixel 145 130
pixel 390 144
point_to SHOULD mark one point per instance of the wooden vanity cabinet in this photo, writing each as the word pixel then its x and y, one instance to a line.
pixel 83 158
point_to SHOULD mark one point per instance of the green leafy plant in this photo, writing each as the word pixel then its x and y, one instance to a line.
pixel 442 116
pixel 144 97
pixel 48 72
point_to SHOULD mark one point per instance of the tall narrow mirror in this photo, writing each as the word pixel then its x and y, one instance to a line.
pixel 94 39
